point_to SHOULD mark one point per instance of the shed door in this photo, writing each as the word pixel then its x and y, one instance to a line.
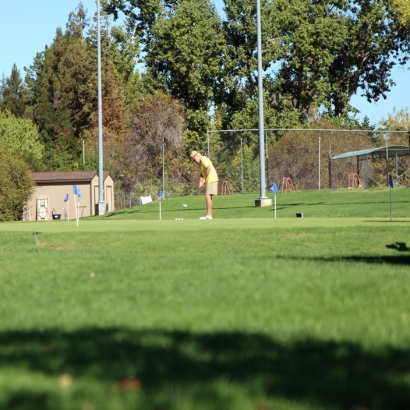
pixel 42 209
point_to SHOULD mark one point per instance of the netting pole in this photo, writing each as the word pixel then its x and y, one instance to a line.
pixel 267 158
pixel 241 167
pixel 319 163
pixel 385 136
pixel 330 160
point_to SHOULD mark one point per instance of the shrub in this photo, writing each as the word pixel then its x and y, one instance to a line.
pixel 16 185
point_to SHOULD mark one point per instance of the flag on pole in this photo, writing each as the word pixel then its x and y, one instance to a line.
pixel 391 181
pixel 66 198
pixel 77 191
pixel 274 189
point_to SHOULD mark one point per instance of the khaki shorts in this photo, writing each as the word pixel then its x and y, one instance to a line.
pixel 212 188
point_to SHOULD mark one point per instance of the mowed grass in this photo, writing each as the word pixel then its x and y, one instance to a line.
pixel 242 312
pixel 341 203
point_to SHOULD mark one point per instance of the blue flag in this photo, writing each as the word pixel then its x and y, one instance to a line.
pixel 77 191
pixel 66 198
pixel 390 181
pixel 274 188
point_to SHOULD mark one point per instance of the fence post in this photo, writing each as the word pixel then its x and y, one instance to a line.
pixel 330 160
pixel 241 167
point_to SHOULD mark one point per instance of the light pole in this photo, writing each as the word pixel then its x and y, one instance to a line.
pixel 101 202
pixel 263 200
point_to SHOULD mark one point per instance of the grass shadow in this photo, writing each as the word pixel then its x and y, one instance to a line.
pixel 330 374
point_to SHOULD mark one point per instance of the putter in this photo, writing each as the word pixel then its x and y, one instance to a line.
pixel 190 199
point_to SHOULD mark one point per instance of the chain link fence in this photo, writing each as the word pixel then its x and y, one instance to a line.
pixel 295 159
pixel 302 158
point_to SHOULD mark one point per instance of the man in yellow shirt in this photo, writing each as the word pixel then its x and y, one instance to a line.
pixel 209 177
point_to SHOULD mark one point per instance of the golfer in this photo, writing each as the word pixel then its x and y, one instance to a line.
pixel 209 177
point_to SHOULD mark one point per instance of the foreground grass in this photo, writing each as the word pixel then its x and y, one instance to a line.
pixel 223 314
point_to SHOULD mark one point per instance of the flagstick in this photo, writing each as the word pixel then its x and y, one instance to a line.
pixel 160 210
pixel 78 210
pixel 275 205
pixel 75 209
pixel 390 201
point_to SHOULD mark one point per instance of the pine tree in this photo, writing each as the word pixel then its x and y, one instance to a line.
pixel 13 94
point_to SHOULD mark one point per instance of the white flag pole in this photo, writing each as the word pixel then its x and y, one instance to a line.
pixel 76 209
pixel 275 206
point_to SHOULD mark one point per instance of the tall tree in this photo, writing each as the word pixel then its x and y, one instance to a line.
pixel 184 48
pixel 330 50
pixel 135 155
pixel 13 93
pixel 63 85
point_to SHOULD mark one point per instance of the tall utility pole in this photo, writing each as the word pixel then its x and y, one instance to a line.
pixel 101 202
pixel 263 199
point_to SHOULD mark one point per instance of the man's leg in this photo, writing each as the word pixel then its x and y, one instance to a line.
pixel 208 204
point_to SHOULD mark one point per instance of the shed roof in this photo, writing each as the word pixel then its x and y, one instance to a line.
pixel 392 151
pixel 66 176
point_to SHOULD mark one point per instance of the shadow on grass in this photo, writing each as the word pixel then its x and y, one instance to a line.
pixel 399 246
pixel 391 260
pixel 326 374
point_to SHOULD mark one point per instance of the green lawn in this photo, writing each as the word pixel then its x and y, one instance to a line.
pixel 241 312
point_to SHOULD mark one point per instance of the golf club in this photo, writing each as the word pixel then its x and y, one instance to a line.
pixel 189 200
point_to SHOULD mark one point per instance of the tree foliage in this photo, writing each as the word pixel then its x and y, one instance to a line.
pixel 136 154
pixel 398 120
pixel 21 137
pixel 13 93
pixel 296 156
pixel 403 8
pixel 16 185
pixel 333 49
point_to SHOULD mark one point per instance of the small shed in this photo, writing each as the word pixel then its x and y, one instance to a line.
pixel 53 188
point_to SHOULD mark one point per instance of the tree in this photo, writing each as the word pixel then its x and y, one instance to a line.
pixel 398 120
pixel 295 155
pixel 16 185
pixel 21 137
pixel 403 8
pixel 331 50
pixel 184 47
pixel 136 154
pixel 62 82
pixel 13 94
pixel 63 86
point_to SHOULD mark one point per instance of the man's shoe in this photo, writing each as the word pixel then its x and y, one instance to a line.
pixel 206 217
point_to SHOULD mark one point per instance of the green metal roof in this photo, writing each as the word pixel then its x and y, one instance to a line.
pixel 392 151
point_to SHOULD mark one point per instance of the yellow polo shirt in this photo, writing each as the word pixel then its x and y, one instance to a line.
pixel 204 164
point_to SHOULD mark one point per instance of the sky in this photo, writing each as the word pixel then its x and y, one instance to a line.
pixel 27 28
